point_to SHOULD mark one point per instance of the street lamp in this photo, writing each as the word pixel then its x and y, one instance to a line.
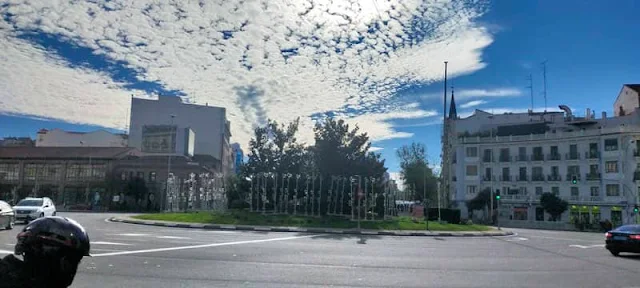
pixel 171 117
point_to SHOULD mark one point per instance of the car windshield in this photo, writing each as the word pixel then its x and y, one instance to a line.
pixel 30 202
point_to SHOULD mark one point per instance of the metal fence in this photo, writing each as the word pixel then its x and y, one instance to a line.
pixel 356 197
pixel 198 192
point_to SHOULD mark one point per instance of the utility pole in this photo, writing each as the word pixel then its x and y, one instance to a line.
pixel 544 83
pixel 530 78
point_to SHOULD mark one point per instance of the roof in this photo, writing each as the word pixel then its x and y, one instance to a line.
pixel 635 87
pixel 522 129
pixel 66 152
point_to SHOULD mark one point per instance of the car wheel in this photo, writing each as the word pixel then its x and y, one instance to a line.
pixel 614 253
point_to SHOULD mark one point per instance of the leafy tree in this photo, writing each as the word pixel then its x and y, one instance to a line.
pixel 553 205
pixel 482 200
pixel 416 172
pixel 274 148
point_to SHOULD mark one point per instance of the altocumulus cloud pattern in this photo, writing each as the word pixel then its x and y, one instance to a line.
pixel 80 61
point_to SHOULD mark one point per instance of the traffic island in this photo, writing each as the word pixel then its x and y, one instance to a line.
pixel 246 221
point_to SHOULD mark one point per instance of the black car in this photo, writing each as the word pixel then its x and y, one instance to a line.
pixel 623 239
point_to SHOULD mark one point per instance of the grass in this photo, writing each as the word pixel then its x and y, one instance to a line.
pixel 247 218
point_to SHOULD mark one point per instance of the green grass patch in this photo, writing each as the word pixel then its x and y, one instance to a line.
pixel 247 218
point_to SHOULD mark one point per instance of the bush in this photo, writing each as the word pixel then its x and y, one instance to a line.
pixel 446 214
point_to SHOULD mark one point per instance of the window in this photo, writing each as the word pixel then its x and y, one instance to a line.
pixel 537 154
pixel 472 170
pixel 554 150
pixel 522 152
pixel 611 167
pixel 575 193
pixel 487 155
pixel 593 169
pixel 140 175
pixel 555 170
pixel 538 191
pixel 573 149
pixel 504 154
pixel 536 171
pixel 472 152
pixel 539 214
pixel 613 190
pixel 595 191
pixel 123 176
pixel 10 170
pixel 152 176
pixel 573 170
pixel 611 144
pixel 522 191
pixel 471 189
pixel 523 173
pixel 555 191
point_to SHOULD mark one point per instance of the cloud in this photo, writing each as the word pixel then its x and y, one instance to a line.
pixel 374 149
pixel 473 103
pixel 259 59
pixel 465 94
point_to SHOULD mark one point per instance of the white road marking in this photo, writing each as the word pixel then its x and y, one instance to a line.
pixel 587 246
pixel 133 234
pixel 566 239
pixel 202 246
pixel 172 237
pixel 109 243
pixel 517 239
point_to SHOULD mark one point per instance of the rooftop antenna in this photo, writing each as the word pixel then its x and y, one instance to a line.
pixel 530 78
pixel 544 81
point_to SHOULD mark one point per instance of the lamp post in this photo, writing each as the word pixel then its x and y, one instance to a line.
pixel 171 117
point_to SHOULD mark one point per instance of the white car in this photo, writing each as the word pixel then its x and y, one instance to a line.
pixel 7 216
pixel 33 208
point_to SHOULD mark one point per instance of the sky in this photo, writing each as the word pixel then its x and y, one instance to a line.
pixel 378 64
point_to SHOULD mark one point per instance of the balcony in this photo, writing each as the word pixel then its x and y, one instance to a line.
pixel 515 198
pixel 554 177
pixel 522 158
pixel 571 176
pixel 594 176
pixel 553 157
pixel 487 159
pixel 586 200
pixel 505 178
pixel 486 178
pixel 522 178
pixel 505 158
pixel 572 156
pixel 537 177
pixel 592 155
pixel 537 157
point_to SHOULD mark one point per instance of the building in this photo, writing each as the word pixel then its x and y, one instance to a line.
pixel 238 157
pixel 159 126
pixel 61 138
pixel 590 162
pixel 71 176
pixel 628 100
pixel 17 142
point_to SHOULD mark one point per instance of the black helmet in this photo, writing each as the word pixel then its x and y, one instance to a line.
pixel 54 231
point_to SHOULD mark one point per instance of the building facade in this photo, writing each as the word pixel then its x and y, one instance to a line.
pixel 61 138
pixel 207 125
pixel 17 142
pixel 592 163
pixel 628 99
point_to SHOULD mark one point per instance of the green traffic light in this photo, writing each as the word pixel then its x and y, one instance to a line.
pixel 574 181
pixel 498 197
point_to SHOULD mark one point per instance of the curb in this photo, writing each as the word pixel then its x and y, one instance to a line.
pixel 312 230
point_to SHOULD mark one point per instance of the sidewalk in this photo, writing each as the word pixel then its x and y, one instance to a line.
pixel 130 220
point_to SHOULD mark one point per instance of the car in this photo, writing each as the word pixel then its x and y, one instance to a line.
pixel 7 216
pixel 625 238
pixel 33 208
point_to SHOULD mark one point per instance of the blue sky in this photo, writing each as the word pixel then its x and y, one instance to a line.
pixel 387 77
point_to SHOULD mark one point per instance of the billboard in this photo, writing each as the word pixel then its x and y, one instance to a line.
pixel 159 139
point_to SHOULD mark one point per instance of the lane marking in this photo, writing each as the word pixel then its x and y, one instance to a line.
pixel 133 234
pixel 109 243
pixel 172 237
pixel 566 239
pixel 587 246
pixel 203 246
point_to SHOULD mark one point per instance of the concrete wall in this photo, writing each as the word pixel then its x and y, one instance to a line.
pixel 60 138
pixel 208 123
pixel 628 99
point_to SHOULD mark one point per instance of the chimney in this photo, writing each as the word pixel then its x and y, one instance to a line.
pixel 604 115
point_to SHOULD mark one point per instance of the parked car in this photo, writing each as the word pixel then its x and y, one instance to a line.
pixel 625 238
pixel 33 208
pixel 7 216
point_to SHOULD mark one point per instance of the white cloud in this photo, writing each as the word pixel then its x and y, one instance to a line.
pixel 464 94
pixel 473 103
pixel 182 45
pixel 374 148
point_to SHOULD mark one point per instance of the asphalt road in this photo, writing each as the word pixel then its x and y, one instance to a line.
pixel 128 255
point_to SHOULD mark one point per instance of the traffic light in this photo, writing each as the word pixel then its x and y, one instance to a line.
pixel 574 179
pixel 635 209
pixel 497 194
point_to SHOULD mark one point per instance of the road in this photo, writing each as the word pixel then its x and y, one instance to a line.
pixel 128 255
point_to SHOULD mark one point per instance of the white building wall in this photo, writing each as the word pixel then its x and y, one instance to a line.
pixel 61 138
pixel 208 123
pixel 628 99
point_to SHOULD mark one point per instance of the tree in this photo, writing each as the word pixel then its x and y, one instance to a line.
pixel 274 149
pixel 416 172
pixel 482 200
pixel 553 205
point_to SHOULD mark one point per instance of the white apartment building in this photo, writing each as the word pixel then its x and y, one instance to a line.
pixel 592 163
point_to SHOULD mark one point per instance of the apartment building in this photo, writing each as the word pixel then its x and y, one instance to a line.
pixel 592 163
